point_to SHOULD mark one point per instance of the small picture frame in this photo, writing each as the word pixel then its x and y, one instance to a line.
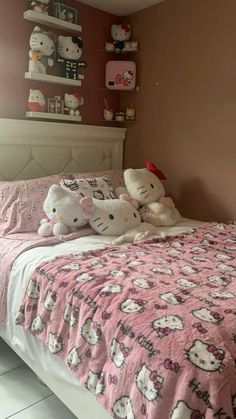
pixel 64 12
pixel 55 105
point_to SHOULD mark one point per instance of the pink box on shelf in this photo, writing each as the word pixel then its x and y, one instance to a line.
pixel 120 75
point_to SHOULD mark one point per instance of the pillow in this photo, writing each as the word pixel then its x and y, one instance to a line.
pixel 92 187
pixel 21 204
pixel 116 176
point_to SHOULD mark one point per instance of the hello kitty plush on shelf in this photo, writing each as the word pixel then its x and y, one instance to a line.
pixel 41 52
pixel 145 186
pixel 65 212
pixel 40 6
pixel 36 101
pixel 121 36
pixel 72 102
pixel 70 49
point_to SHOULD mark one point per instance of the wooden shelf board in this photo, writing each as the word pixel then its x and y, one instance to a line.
pixel 56 116
pixel 53 79
pixel 51 21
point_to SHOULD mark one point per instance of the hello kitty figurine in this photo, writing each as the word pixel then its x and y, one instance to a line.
pixel 36 101
pixel 145 186
pixel 40 6
pixel 65 213
pixel 70 49
pixel 72 102
pixel 42 48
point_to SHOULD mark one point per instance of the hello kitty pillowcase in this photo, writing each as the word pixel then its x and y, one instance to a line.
pixel 94 187
pixel 21 204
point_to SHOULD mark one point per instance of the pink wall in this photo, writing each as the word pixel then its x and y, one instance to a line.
pixel 14 47
pixel 186 120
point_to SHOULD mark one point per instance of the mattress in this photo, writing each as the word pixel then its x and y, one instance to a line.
pixel 21 270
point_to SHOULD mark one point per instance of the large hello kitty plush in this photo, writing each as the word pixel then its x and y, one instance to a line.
pixel 42 48
pixel 120 34
pixel 113 217
pixel 145 186
pixel 65 213
pixel 70 49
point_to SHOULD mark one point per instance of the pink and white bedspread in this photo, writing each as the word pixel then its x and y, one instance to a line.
pixel 148 328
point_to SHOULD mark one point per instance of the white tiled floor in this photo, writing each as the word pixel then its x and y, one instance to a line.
pixel 22 396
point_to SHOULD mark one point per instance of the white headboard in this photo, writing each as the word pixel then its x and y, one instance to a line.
pixel 31 149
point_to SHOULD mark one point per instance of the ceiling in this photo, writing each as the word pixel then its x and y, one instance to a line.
pixel 120 7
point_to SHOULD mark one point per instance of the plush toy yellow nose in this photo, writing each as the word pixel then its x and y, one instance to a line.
pixel 126 220
pixel 61 218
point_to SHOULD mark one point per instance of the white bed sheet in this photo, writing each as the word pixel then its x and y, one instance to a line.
pixel 22 268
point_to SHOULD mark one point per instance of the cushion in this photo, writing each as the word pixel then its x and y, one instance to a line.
pixel 116 176
pixel 21 204
pixel 92 187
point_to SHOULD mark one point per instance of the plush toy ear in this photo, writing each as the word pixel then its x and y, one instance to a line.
pixel 152 168
pixel 88 206
pixel 128 198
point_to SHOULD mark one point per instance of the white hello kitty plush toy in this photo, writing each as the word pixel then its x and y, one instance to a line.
pixel 65 213
pixel 72 102
pixel 113 217
pixel 42 48
pixel 36 101
pixel 145 186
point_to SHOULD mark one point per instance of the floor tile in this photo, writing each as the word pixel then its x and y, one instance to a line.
pixel 51 407
pixel 8 358
pixel 18 389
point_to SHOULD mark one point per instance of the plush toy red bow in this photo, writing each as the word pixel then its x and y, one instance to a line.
pixel 152 168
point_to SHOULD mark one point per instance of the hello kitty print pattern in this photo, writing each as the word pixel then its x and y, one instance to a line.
pixel 148 328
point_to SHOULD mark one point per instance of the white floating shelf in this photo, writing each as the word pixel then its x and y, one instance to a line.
pixel 53 79
pixel 47 115
pixel 51 21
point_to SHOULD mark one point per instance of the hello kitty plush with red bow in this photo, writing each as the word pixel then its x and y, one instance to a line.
pixel 145 186
pixel 120 34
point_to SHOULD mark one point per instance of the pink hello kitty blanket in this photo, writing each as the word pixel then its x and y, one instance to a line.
pixel 148 328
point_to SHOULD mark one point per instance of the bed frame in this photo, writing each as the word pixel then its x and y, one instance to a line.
pixel 30 149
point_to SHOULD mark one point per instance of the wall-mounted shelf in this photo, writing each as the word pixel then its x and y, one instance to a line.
pixel 55 116
pixel 114 120
pixel 120 91
pixel 53 79
pixel 51 21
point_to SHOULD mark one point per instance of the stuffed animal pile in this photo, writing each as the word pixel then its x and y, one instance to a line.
pixel 66 211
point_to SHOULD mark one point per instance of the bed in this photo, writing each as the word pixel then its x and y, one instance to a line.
pixel 40 149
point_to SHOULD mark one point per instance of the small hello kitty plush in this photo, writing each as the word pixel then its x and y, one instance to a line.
pixel 72 102
pixel 120 34
pixel 42 48
pixel 145 186
pixel 36 101
pixel 40 6
pixel 70 49
pixel 65 213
